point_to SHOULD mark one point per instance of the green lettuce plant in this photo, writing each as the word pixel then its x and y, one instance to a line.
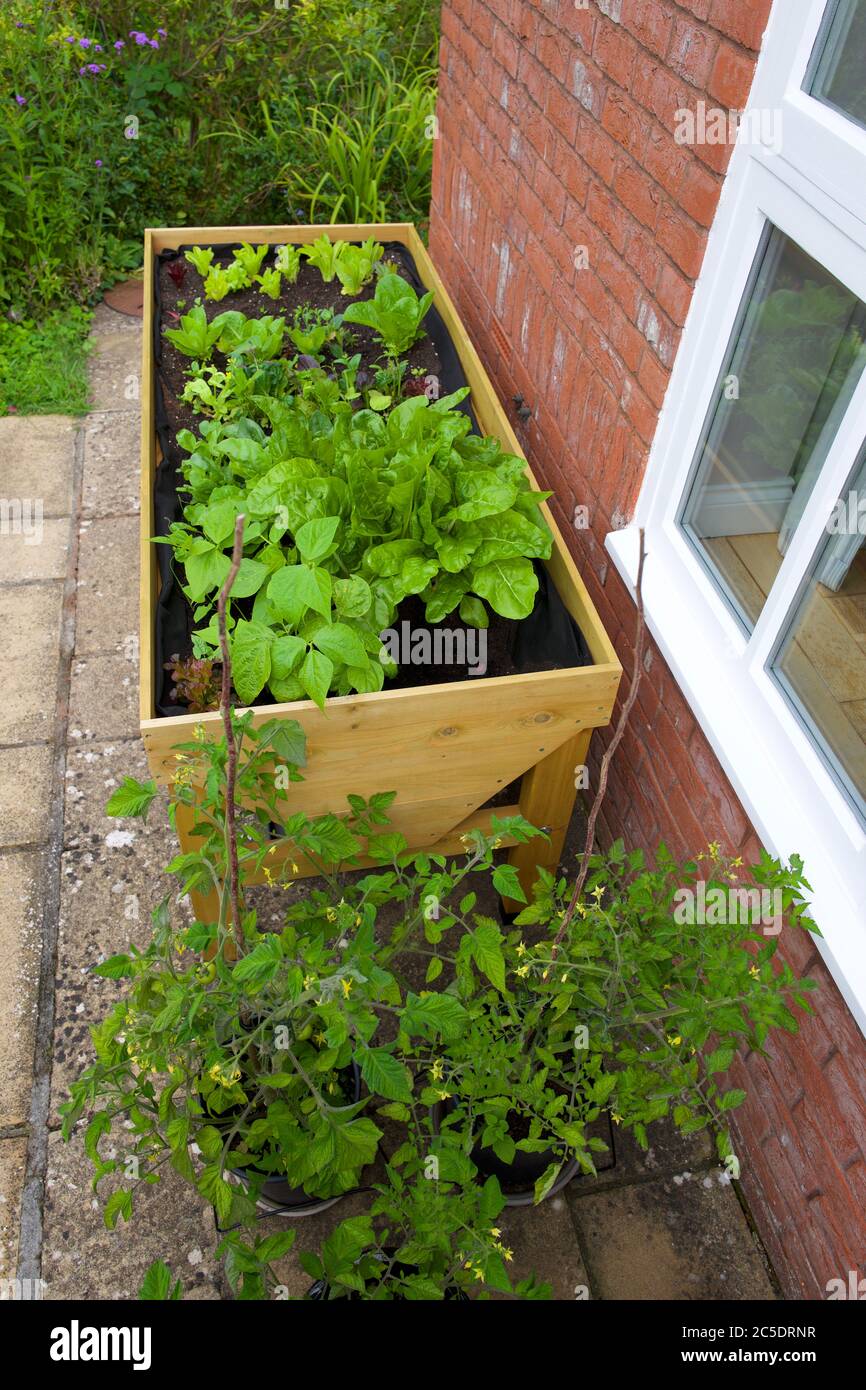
pixel 324 255
pixel 288 262
pixel 201 258
pixel 355 265
pixel 395 313
pixel 250 259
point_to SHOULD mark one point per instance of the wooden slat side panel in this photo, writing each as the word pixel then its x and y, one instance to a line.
pixel 149 580
pixel 453 732
pixel 169 238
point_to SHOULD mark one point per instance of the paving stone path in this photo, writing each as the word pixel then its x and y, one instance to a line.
pixel 76 886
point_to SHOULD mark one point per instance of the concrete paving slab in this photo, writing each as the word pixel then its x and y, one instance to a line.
pixel 13 1158
pixel 30 623
pixel 42 554
pixel 106 900
pixel 36 459
pixel 84 1260
pixel 111 463
pixel 684 1238
pixel 115 364
pixel 107 611
pixel 94 769
pixel 25 794
pixel 103 698
pixel 20 951
pixel 543 1243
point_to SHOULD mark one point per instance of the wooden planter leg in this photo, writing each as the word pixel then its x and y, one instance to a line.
pixel 547 795
pixel 206 906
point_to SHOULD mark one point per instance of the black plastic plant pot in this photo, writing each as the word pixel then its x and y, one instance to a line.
pixel 279 1197
pixel 319 1292
pixel 517 1178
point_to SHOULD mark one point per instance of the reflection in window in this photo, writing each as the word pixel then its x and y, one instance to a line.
pixel 835 74
pixel 821 661
pixel 795 358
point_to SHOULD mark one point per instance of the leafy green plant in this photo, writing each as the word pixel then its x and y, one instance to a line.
pixel 355 265
pixel 424 1238
pixel 269 283
pixel 235 1064
pixel 201 258
pixel 246 1058
pixel 250 259
pixel 395 313
pixel 195 337
pixel 359 134
pixel 288 262
pixel 348 513
pixel 221 281
pixel 324 255
pixel 628 999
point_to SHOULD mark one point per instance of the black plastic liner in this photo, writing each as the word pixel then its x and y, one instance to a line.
pixel 548 638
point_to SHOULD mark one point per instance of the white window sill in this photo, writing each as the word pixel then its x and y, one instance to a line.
pixel 785 789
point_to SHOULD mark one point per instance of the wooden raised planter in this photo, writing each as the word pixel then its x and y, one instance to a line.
pixel 445 749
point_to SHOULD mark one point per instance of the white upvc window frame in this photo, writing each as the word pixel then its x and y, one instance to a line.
pixel 814 190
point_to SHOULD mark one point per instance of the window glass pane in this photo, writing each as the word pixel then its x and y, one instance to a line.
pixel 836 71
pixel 821 663
pixel 795 358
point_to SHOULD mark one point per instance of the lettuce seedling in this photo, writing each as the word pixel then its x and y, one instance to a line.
pixel 395 313
pixel 250 260
pixel 201 258
pixel 270 283
pixel 288 262
pixel 324 254
pixel 355 265
pixel 219 282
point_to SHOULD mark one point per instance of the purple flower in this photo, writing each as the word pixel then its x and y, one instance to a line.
pixel 97 48
pixel 98 163
pixel 69 38
pixel 95 68
pixel 22 101
pixel 140 37
pixel 84 43
pixel 154 43
pixel 163 33
pixel 119 44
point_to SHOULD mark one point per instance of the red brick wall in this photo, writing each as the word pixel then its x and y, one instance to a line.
pixel 557 132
